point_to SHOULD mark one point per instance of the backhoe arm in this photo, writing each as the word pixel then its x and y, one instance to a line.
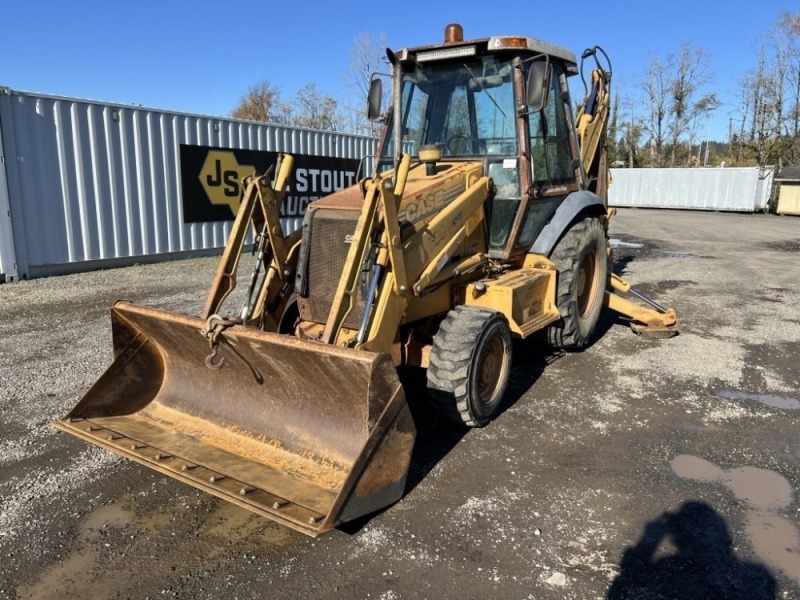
pixel 592 121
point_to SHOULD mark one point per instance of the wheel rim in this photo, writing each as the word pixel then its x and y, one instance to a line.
pixel 588 275
pixel 489 369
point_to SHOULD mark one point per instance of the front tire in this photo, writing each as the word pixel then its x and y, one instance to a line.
pixel 581 259
pixel 469 365
pixel 290 316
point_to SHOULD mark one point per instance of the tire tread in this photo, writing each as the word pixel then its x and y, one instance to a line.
pixel 450 360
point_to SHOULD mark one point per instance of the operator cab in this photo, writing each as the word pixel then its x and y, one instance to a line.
pixel 473 99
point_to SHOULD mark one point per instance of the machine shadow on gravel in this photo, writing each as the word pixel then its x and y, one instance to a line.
pixel 608 318
pixel 621 264
pixel 700 564
pixel 436 436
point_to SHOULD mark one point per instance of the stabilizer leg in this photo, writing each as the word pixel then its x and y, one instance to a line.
pixel 655 322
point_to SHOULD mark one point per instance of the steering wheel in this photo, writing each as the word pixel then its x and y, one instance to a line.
pixel 462 136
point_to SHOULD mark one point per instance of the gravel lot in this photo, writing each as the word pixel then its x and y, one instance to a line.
pixel 636 469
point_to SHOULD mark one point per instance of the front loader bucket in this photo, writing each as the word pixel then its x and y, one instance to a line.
pixel 307 434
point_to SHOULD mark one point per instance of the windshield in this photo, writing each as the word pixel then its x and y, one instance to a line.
pixel 466 107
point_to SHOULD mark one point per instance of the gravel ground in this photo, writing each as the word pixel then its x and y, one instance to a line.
pixel 636 469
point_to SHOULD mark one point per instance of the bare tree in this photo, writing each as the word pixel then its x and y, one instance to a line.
pixel 613 131
pixel 259 103
pixel 656 89
pixel 769 99
pixel 367 56
pixel 631 128
pixel 315 110
pixel 309 108
pixel 764 118
pixel 688 105
pixel 788 36
pixel 701 109
pixel 351 116
pixel 676 103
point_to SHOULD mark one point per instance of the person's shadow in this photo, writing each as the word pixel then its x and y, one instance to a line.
pixel 702 564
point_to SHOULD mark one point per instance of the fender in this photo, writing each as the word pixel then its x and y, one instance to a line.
pixel 572 206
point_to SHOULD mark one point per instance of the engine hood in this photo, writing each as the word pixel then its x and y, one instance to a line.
pixel 424 195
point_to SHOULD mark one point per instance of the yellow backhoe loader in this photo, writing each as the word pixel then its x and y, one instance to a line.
pixel 485 220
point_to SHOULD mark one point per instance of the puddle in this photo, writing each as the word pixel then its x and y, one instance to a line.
pixel 693 467
pixel 783 402
pixel 234 523
pixel 108 515
pixel 617 243
pixel 679 254
pixel 775 539
pixel 761 489
pixel 673 284
pixel 114 541
pixel 783 246
pixel 76 575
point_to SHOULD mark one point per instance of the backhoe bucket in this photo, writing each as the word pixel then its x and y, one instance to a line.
pixel 306 434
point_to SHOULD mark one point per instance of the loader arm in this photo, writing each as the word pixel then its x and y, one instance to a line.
pixel 424 256
pixel 259 208
pixel 368 237
pixel 399 269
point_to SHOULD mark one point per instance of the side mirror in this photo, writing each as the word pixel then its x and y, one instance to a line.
pixel 375 99
pixel 537 90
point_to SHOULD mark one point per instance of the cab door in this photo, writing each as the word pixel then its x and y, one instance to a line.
pixel 552 173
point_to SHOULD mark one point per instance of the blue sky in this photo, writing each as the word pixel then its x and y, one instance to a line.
pixel 201 56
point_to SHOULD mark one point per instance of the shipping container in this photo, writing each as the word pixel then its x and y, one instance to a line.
pixel 86 184
pixel 743 189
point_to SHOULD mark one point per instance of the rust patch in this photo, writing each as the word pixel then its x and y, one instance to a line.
pixel 385 467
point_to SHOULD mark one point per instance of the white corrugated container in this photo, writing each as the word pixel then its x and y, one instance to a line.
pixel 91 184
pixel 8 255
pixel 744 189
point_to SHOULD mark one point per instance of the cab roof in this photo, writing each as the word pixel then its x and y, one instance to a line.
pixel 482 46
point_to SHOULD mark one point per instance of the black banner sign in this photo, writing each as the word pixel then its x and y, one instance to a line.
pixel 211 180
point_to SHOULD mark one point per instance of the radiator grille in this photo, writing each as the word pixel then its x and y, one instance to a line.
pixel 327 254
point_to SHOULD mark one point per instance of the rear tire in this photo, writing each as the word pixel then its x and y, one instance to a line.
pixel 581 259
pixel 469 365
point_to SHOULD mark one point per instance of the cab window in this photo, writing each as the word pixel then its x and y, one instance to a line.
pixel 550 150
